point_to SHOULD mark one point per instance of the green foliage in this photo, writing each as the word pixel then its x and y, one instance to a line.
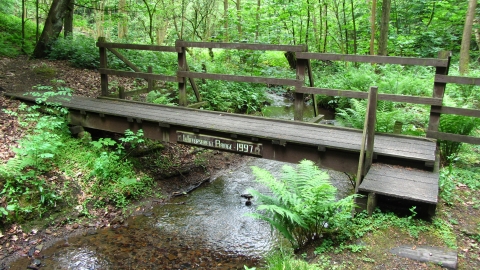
pixel 11 33
pixel 160 97
pixel 455 124
pixel 25 188
pixel 387 115
pixel 80 51
pixel 285 260
pixel 240 97
pixel 112 178
pixel 303 203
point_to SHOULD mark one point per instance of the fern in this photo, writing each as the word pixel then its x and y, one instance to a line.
pixel 303 201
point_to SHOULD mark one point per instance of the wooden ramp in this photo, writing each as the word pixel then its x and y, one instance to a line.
pixel 401 182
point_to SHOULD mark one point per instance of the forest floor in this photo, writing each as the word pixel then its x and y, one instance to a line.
pixel 21 74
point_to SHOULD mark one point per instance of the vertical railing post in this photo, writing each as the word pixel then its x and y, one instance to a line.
pixel 103 65
pixel 299 102
pixel 438 92
pixel 150 82
pixel 372 119
pixel 182 66
pixel 365 160
pixel 366 155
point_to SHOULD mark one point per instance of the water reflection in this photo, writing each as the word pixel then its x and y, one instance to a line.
pixel 207 229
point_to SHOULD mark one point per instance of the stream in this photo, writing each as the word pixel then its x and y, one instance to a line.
pixel 205 229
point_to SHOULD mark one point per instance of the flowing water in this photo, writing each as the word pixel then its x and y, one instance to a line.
pixel 206 229
pixel 282 108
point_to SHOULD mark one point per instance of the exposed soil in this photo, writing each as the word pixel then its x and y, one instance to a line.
pixel 183 175
pixel 21 74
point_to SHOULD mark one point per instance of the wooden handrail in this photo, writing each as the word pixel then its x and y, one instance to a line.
pixel 374 59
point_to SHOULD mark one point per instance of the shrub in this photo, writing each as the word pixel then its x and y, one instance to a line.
pixel 303 203
pixel 25 188
pixel 80 51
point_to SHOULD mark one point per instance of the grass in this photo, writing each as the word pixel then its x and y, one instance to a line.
pixel 11 36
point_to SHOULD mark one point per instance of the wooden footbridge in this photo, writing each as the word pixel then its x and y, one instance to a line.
pixel 386 165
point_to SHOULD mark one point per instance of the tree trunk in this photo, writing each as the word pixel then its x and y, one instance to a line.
pixel 292 59
pixel 239 18
pixel 257 29
pixel 372 27
pixel 52 28
pixel 467 37
pixel 354 29
pixel 384 26
pixel 225 19
pixel 68 21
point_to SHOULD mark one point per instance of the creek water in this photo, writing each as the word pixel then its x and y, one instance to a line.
pixel 205 229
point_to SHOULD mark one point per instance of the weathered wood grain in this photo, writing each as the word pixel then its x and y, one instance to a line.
pixel 364 95
pixel 241 46
pixel 445 257
pixel 374 59
pixel 457 79
pixel 291 131
pixel 142 75
pixel 143 47
pixel 401 182
pixel 237 78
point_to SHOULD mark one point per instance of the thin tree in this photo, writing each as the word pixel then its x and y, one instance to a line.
pixel 384 26
pixel 372 27
pixel 467 37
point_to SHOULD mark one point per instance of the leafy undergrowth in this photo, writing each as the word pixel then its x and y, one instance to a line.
pixel 367 242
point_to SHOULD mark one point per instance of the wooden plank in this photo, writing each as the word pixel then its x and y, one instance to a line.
pixel 364 95
pixel 303 133
pixel 143 75
pixel 410 99
pixel 393 180
pixel 459 111
pixel 237 78
pixel 453 137
pixel 143 47
pixel 456 79
pixel 332 92
pixel 317 118
pixel 446 258
pixel 374 59
pixel 241 46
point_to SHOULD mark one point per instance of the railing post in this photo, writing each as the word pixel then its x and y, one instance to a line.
pixel 299 102
pixel 150 82
pixel 103 64
pixel 438 92
pixel 121 92
pixel 372 119
pixel 182 66
pixel 365 160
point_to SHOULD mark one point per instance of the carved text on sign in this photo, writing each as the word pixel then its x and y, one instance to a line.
pixel 220 143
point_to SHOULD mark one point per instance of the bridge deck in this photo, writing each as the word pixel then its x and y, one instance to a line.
pixel 403 147
pixel 401 182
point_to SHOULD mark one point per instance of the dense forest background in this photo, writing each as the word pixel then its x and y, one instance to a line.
pixel 419 28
